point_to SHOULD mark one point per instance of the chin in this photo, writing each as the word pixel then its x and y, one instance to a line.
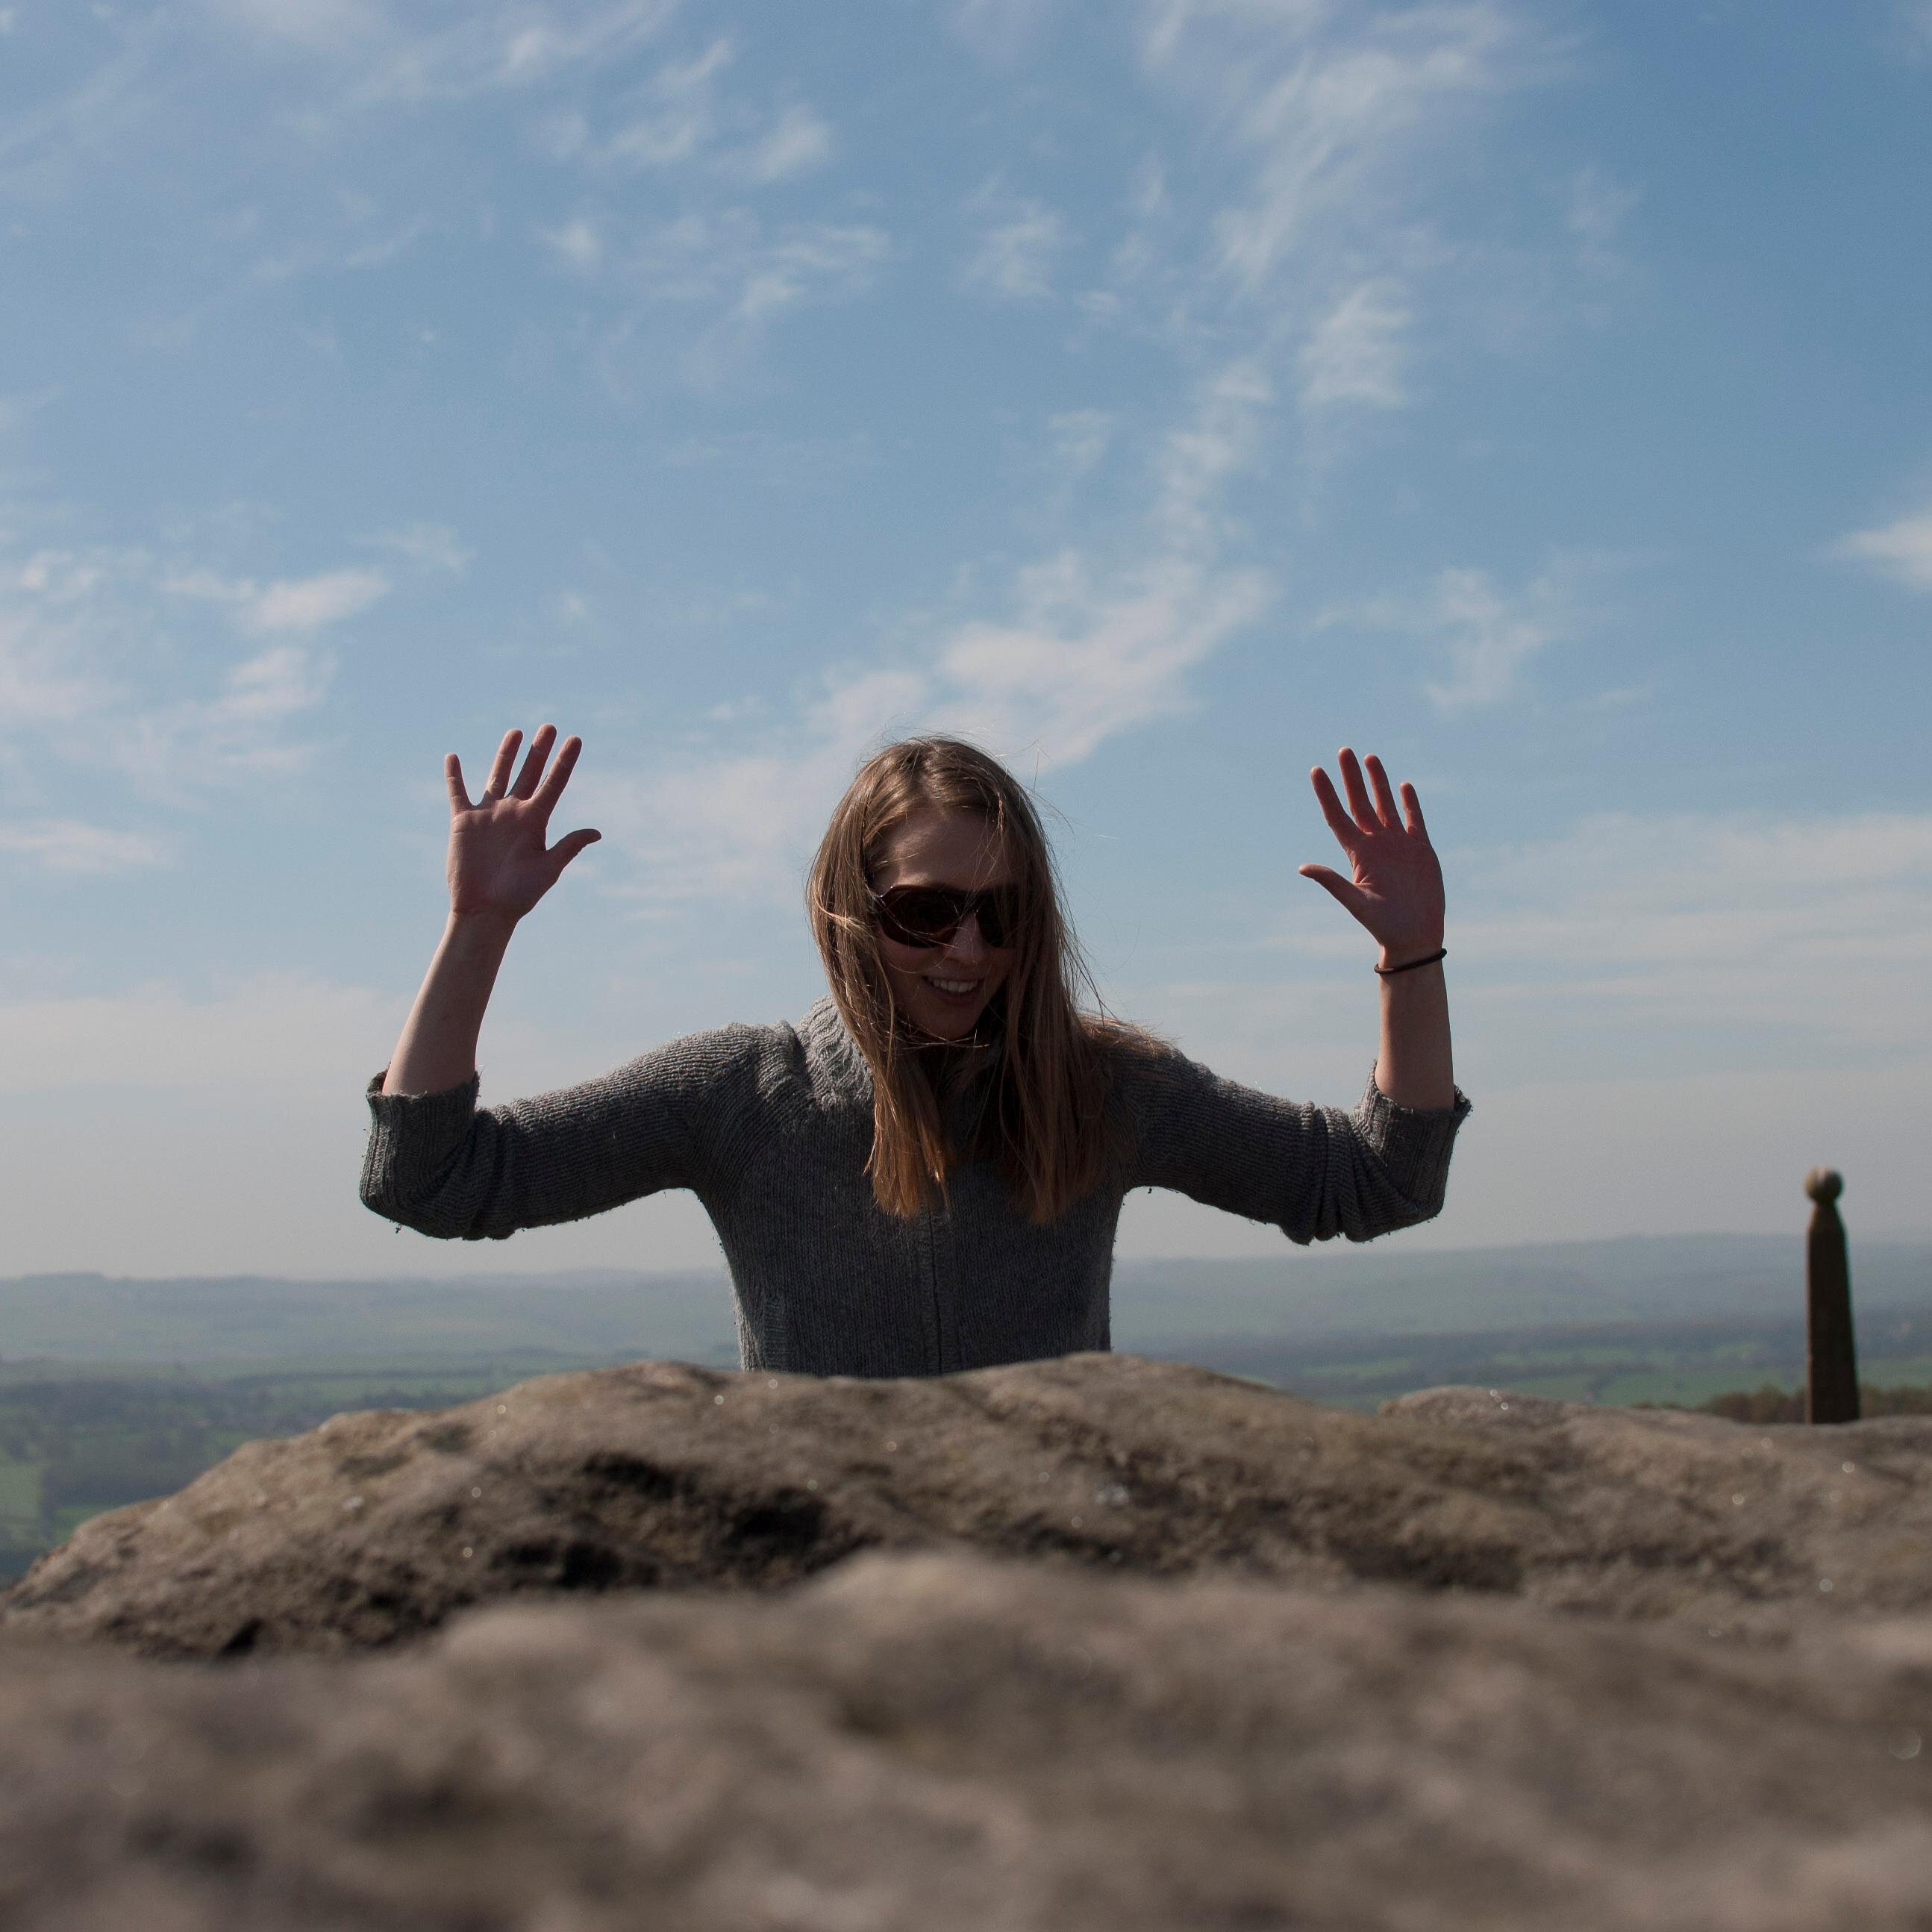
pixel 939 1019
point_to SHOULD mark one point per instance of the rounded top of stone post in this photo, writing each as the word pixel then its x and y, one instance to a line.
pixel 1824 1184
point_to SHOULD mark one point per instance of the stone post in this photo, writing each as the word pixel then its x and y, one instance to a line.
pixel 1831 1359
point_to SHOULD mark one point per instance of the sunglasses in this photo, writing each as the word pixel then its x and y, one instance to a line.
pixel 931 915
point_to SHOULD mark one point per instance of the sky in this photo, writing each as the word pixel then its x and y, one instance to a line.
pixel 1163 393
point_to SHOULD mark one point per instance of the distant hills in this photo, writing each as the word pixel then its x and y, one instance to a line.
pixel 259 1320
pixel 1159 1305
pixel 1380 1289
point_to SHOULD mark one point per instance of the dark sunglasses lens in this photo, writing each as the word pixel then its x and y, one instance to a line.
pixel 926 915
pixel 916 915
pixel 999 916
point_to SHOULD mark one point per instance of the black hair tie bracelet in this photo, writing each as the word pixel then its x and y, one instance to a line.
pixel 1410 965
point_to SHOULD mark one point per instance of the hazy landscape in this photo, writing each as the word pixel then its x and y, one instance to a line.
pixel 114 1390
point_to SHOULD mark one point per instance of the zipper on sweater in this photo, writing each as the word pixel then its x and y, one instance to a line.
pixel 935 1314
pixel 942 1274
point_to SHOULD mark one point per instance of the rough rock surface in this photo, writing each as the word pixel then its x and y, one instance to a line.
pixel 946 1742
pixel 377 1527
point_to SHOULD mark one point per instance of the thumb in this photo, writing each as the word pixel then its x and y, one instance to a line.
pixel 1346 890
pixel 567 848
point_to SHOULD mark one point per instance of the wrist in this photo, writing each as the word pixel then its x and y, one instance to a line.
pixel 479 927
pixel 1395 958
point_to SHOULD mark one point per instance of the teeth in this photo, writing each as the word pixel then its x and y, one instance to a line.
pixel 956 985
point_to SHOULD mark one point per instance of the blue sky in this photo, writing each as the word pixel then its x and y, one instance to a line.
pixel 1164 393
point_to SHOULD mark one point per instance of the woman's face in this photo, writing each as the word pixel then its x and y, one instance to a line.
pixel 943 990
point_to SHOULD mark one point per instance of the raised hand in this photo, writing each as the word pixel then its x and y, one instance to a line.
pixel 1396 889
pixel 500 862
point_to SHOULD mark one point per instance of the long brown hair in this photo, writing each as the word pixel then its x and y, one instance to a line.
pixel 1046 1125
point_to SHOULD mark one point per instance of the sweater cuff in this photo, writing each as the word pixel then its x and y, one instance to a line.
pixel 413 1136
pixel 1412 1143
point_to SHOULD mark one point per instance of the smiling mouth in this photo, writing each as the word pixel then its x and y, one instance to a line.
pixel 954 989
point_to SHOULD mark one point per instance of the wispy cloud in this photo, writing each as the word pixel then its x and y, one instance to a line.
pixel 296 604
pixel 806 262
pixel 682 115
pixel 578 243
pixel 343 60
pixel 737 276
pixel 1901 550
pixel 303 603
pixel 1598 211
pixel 47 676
pixel 1020 240
pixel 1807 928
pixel 1086 649
pixel 86 642
pixel 1329 104
pixel 1356 353
pixel 1484 637
pixel 1810 932
pixel 1218 438
pixel 798 140
pixel 692 279
pixel 335 27
pixel 671 118
pixel 501 49
pixel 999 30
pixel 1303 220
pixel 239 730
pixel 729 263
pixel 1084 657
pixel 46 147
pixel 69 845
pixel 430 547
pixel 1080 438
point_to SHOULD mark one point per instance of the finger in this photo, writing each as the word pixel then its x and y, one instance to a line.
pixel 1358 792
pixel 452 775
pixel 533 764
pixel 558 776
pixel 1385 809
pixel 499 771
pixel 1351 895
pixel 567 848
pixel 1412 806
pixel 1344 827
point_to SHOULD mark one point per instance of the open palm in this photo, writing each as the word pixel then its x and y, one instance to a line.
pixel 500 861
pixel 1395 888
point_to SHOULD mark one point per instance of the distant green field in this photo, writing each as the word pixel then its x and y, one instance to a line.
pixel 1684 1365
pixel 76 1440
pixel 19 1494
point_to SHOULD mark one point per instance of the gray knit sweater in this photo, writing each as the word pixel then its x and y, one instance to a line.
pixel 770 1126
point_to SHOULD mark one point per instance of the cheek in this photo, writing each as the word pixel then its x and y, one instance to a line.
pixel 903 966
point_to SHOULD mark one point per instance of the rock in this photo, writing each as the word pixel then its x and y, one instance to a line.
pixel 375 1528
pixel 962 1744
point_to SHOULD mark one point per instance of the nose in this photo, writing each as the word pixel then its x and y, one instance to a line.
pixel 967 945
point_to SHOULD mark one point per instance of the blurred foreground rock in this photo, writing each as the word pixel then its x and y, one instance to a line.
pixel 947 1743
pixel 376 1527
pixel 1123 1644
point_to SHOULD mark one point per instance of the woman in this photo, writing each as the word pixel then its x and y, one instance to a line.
pixel 924 1173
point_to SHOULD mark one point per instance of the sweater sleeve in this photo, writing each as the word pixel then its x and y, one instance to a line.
pixel 680 1116
pixel 1315 1172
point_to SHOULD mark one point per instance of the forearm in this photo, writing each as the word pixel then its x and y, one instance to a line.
pixel 1414 1068
pixel 438 1046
